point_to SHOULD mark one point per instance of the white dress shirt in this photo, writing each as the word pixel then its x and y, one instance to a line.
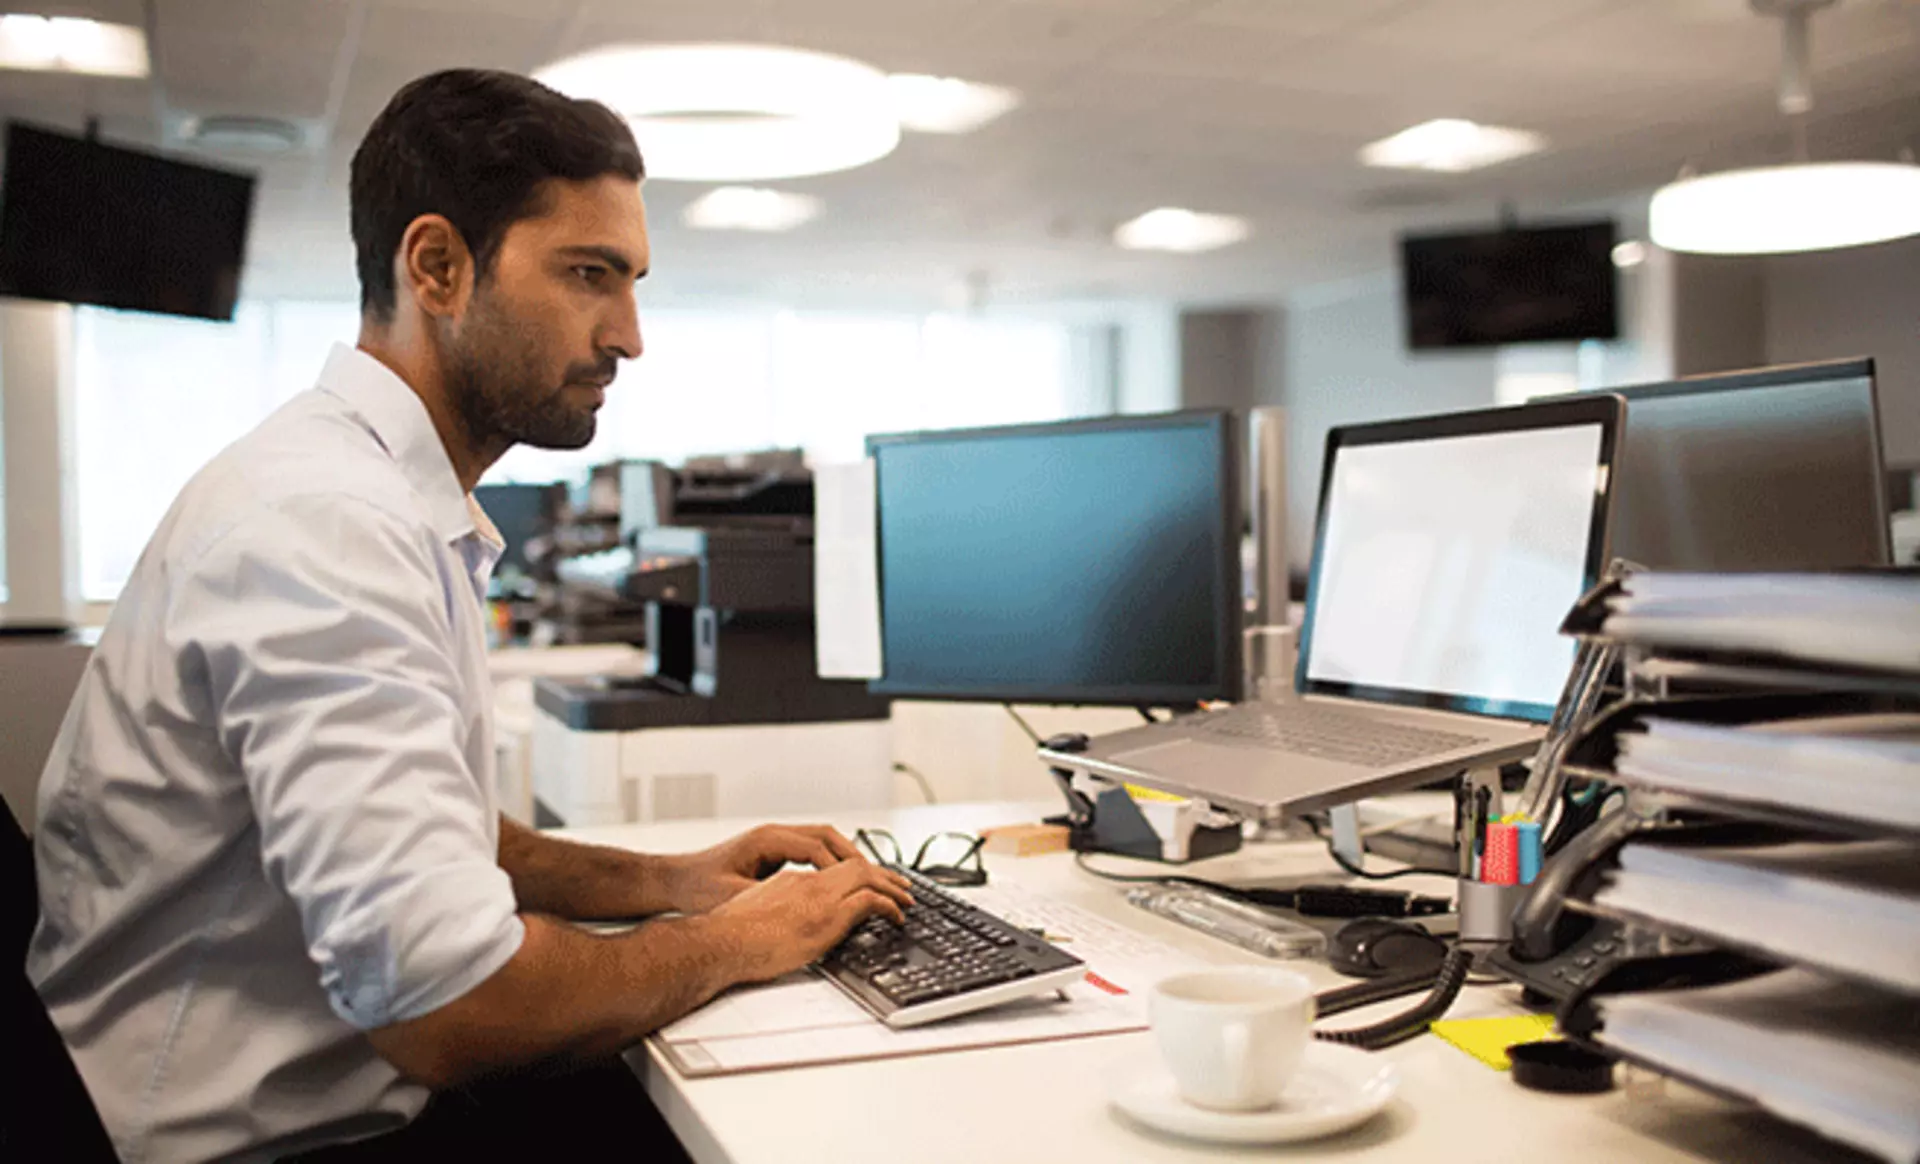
pixel 269 821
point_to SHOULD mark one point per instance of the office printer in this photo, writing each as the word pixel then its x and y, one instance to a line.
pixel 719 556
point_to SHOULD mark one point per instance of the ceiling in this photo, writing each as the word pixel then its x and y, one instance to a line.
pixel 1249 107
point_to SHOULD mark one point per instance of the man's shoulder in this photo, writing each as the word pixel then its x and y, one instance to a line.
pixel 310 459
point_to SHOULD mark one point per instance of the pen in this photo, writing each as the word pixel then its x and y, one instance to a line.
pixel 1482 803
pixel 1462 836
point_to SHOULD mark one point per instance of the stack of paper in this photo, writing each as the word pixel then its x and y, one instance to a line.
pixel 1864 768
pixel 803 1019
pixel 1843 1059
pixel 1852 907
pixel 1849 620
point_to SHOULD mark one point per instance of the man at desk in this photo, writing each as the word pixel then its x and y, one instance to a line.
pixel 278 902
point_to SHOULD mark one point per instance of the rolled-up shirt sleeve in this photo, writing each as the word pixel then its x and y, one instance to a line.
pixel 322 628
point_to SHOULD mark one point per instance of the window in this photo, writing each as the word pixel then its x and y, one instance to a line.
pixel 158 397
pixel 712 382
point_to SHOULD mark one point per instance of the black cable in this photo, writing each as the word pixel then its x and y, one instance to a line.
pixel 1146 713
pixel 1328 1003
pixel 1410 871
pixel 1306 900
pixel 1024 725
pixel 1356 871
pixel 1400 1028
pixel 1080 859
pixel 918 777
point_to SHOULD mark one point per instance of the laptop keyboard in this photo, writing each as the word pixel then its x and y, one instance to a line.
pixel 1325 733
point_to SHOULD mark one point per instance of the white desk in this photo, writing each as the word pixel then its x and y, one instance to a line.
pixel 1046 1102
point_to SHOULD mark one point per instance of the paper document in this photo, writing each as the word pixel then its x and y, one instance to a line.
pixel 1839 1058
pixel 1866 767
pixel 846 571
pixel 804 1020
pixel 1863 620
pixel 1852 907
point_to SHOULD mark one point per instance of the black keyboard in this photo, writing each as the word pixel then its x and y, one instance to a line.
pixel 949 958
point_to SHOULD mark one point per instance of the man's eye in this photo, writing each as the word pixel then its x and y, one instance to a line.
pixel 590 275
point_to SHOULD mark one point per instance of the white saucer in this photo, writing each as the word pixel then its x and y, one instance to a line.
pixel 1336 1088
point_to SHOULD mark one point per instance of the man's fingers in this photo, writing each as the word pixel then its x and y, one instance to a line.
pixel 889 883
pixel 864 904
pixel 836 844
pixel 774 845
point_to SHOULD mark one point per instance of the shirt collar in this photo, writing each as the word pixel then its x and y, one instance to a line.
pixel 399 421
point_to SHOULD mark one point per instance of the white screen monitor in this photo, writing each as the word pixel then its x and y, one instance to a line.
pixel 1450 550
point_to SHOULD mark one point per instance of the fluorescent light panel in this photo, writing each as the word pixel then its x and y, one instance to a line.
pixel 749 208
pixel 1171 228
pixel 1450 145
pixel 946 104
pixel 67 44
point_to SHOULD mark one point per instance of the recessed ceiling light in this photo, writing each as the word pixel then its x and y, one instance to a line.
pixel 68 44
pixel 748 208
pixel 1451 146
pixel 1172 229
pixel 734 112
pixel 946 104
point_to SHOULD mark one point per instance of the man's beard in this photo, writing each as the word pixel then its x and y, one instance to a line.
pixel 495 382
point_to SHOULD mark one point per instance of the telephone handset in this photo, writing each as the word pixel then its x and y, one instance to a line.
pixel 1563 951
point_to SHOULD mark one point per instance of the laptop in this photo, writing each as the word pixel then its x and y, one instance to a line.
pixel 1448 551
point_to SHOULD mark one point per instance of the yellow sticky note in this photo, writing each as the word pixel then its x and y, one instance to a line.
pixel 1139 793
pixel 1487 1039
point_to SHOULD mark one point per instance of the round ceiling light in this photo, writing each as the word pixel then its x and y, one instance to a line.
pixel 735 112
pixel 1781 209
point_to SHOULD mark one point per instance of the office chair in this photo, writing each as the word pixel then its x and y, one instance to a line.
pixel 45 1112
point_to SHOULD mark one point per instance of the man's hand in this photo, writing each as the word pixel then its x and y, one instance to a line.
pixel 701 881
pixel 789 920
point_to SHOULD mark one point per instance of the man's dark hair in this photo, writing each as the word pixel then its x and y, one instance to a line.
pixel 473 145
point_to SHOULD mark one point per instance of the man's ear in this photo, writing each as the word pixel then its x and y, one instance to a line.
pixel 434 265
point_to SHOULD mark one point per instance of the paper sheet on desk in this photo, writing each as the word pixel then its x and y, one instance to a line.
pixel 804 1020
pixel 846 572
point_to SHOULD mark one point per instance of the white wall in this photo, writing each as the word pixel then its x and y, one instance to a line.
pixel 1864 301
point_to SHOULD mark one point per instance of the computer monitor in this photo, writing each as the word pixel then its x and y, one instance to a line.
pixel 1449 551
pixel 521 513
pixel 1777 469
pixel 1092 561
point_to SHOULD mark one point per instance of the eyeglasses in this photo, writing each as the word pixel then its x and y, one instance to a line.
pixel 954 870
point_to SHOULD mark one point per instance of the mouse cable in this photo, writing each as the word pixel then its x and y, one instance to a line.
pixel 1379 1036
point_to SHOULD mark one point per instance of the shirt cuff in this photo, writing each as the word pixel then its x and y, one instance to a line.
pixel 434 939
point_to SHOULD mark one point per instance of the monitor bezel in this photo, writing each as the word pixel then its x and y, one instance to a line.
pixel 1605 409
pixel 1229 583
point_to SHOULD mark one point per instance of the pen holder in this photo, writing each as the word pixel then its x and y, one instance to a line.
pixel 1486 911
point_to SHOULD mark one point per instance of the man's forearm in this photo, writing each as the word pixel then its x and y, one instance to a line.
pixel 583 882
pixel 569 994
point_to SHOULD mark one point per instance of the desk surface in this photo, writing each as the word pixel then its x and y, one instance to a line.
pixel 1046 1102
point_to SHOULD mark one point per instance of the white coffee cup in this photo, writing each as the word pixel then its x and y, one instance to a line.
pixel 1233 1037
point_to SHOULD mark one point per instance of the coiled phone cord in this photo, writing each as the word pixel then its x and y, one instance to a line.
pixel 1446 988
